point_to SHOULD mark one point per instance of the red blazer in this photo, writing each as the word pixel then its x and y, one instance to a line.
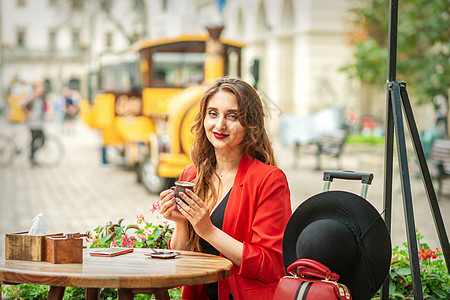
pixel 256 214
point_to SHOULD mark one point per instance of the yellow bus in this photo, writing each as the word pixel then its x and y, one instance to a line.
pixel 149 101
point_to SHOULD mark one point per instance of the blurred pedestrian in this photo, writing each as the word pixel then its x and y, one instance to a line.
pixel 33 107
pixel 58 107
pixel 441 108
pixel 70 111
pixel 2 106
pixel 241 201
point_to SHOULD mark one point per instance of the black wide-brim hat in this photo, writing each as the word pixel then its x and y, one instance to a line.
pixel 344 232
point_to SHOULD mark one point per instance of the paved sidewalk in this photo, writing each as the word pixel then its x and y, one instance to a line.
pixel 81 194
pixel 76 196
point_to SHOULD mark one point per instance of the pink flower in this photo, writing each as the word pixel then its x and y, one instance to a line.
pixel 128 241
pixel 140 218
pixel 156 206
pixel 124 241
pixel 142 236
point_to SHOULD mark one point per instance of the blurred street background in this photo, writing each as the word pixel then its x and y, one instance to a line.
pixel 123 79
pixel 82 193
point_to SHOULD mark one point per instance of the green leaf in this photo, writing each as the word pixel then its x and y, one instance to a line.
pixel 440 293
pixel 118 231
pixel 98 229
pixel 391 287
pixel 106 238
pixel 404 271
pixel 435 276
pixel 156 233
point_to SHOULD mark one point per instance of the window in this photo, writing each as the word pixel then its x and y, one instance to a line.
pixel 74 84
pixel 75 39
pixel 20 38
pixel 164 5
pixel 122 76
pixel 106 5
pixel 48 85
pixel 138 5
pixel 76 4
pixel 109 40
pixel 173 69
pixel 21 3
pixel 52 40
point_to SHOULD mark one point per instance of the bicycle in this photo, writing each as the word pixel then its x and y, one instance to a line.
pixel 50 154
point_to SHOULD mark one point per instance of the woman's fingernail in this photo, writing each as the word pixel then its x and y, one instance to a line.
pixel 178 206
pixel 172 193
pixel 188 191
pixel 177 199
pixel 181 194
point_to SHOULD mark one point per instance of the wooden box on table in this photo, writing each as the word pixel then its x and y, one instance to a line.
pixel 21 246
pixel 61 250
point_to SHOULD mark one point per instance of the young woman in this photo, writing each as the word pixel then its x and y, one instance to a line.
pixel 241 200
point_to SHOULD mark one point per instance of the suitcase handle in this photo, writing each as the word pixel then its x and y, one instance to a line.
pixel 350 175
pixel 366 179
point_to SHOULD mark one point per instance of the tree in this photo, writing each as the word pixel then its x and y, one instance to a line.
pixel 131 26
pixel 423 46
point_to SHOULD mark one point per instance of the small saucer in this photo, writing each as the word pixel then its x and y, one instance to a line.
pixel 162 253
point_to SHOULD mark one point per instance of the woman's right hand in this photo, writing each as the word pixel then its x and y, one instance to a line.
pixel 168 207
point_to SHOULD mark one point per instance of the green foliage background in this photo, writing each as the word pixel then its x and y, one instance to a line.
pixel 423 47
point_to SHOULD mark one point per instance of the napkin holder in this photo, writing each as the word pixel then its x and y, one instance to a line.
pixel 21 246
pixel 64 250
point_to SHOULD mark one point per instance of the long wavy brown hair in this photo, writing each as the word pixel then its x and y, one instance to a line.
pixel 256 143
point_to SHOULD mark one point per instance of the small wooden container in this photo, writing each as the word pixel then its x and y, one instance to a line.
pixel 22 246
pixel 61 250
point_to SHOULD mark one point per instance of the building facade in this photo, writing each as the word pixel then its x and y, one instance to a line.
pixel 300 47
pixel 296 46
pixel 38 43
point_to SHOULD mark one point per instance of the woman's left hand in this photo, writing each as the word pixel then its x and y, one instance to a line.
pixel 196 212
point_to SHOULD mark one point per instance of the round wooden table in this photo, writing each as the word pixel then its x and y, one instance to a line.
pixel 132 273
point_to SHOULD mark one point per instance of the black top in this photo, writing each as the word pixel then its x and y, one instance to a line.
pixel 212 289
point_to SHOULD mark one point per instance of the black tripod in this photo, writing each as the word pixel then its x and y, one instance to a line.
pixel 396 98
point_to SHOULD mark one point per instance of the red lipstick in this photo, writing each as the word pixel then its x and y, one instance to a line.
pixel 220 136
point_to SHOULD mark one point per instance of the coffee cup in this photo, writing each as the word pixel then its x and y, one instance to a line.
pixel 181 186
